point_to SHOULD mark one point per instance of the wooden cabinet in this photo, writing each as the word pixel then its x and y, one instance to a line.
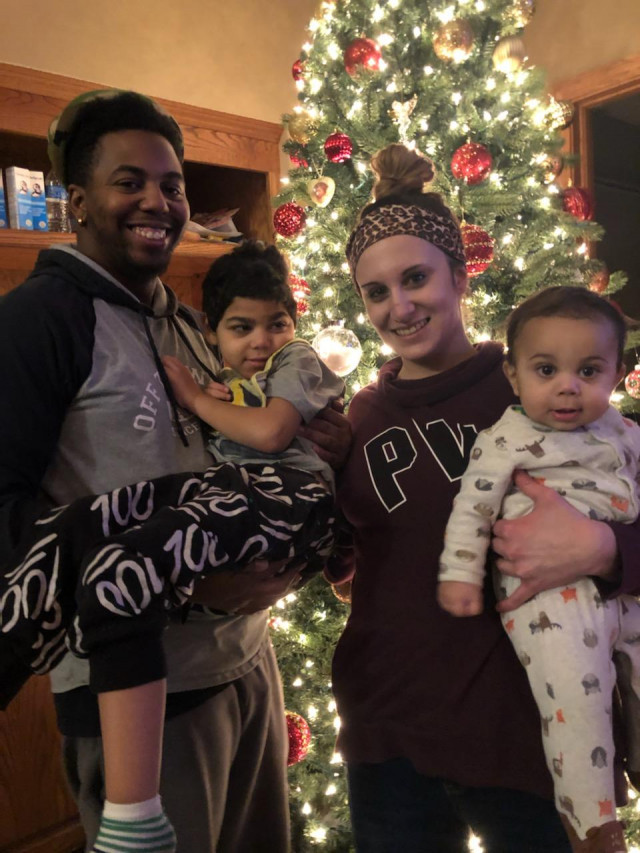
pixel 229 162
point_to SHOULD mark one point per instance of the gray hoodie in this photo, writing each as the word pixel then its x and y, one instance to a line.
pixel 85 409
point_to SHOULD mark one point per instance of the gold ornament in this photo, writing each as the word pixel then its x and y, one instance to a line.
pixel 301 127
pixel 401 114
pixel 508 55
pixel 552 165
pixel 521 12
pixel 453 42
pixel 560 113
pixel 321 190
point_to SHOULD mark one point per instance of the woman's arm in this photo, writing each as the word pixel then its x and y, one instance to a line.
pixel 269 429
pixel 555 545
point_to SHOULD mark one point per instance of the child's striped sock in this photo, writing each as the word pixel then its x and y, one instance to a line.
pixel 135 828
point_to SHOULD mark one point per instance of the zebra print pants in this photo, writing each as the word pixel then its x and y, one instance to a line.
pixel 99 576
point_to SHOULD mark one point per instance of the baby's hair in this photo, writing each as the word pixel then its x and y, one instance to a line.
pixel 251 271
pixel 576 303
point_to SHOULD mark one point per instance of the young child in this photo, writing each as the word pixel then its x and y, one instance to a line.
pixel 565 348
pixel 137 550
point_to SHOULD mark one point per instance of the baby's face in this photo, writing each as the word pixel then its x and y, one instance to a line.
pixel 565 370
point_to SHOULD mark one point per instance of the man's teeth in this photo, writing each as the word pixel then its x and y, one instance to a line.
pixel 150 233
pixel 410 330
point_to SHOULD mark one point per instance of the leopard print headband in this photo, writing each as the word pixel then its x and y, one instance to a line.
pixel 391 220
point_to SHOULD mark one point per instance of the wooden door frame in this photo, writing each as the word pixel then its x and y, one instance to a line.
pixel 588 90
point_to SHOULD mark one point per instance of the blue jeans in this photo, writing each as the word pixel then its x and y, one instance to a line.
pixel 395 809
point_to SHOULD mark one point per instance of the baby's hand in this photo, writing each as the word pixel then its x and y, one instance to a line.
pixel 460 599
pixel 184 385
pixel 219 391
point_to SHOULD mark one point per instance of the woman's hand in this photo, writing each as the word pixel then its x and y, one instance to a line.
pixel 554 545
pixel 330 434
pixel 185 387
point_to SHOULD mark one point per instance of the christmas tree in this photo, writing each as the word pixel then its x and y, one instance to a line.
pixel 449 77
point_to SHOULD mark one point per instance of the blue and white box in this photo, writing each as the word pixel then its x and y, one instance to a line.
pixel 18 186
pixel 38 202
pixel 4 220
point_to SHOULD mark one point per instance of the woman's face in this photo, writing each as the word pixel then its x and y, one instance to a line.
pixel 133 205
pixel 413 300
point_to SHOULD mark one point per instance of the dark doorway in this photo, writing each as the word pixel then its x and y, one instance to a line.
pixel 615 138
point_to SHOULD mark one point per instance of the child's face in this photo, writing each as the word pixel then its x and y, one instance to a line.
pixel 250 331
pixel 565 370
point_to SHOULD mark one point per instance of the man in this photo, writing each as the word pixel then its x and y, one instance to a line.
pixel 87 408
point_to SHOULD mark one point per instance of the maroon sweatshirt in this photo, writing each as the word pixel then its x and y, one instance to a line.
pixel 410 680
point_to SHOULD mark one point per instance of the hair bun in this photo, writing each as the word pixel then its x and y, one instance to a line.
pixel 399 169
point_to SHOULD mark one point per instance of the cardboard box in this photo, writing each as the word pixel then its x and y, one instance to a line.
pixel 4 220
pixel 38 202
pixel 18 187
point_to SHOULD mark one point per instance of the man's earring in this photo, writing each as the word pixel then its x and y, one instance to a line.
pixel 81 219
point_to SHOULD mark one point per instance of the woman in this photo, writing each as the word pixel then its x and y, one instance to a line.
pixel 439 730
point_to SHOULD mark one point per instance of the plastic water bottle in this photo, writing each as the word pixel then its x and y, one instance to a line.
pixel 57 204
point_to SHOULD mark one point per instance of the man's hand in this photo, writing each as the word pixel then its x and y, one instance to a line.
pixel 185 387
pixel 554 545
pixel 257 587
pixel 330 433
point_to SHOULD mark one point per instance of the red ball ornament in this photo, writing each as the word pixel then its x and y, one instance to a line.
pixel 632 383
pixel 298 161
pixel 338 147
pixel 301 291
pixel 299 737
pixel 600 281
pixel 577 201
pixel 362 53
pixel 471 163
pixel 478 248
pixel 342 591
pixel 297 70
pixel 289 219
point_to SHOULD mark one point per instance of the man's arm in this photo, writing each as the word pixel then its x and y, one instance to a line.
pixel 330 434
pixel 46 336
